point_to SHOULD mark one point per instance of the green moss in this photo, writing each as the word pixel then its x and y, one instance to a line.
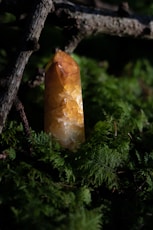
pixel 107 183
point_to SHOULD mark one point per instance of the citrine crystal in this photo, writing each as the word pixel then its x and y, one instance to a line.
pixel 64 117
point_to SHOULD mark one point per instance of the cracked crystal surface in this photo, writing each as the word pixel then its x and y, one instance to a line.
pixel 64 117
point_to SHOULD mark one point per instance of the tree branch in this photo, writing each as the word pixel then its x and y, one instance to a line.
pixel 81 21
pixel 12 81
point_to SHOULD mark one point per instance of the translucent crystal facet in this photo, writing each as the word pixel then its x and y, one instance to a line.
pixel 64 117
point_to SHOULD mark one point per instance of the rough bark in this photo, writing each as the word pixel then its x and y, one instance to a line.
pixel 33 30
pixel 80 22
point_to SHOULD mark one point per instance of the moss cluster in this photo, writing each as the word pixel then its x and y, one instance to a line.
pixel 107 183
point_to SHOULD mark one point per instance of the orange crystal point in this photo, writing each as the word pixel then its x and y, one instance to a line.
pixel 64 117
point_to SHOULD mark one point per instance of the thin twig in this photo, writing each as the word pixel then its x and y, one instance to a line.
pixel 38 79
pixel 20 109
pixel 115 129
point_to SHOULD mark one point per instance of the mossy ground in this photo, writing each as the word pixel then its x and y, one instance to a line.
pixel 107 183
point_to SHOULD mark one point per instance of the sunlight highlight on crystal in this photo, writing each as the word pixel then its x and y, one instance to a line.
pixel 64 117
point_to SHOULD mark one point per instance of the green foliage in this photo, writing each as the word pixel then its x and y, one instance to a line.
pixel 34 193
pixel 11 130
pixel 107 183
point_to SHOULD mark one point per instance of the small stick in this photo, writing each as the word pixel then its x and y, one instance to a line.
pixel 115 129
pixel 20 109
